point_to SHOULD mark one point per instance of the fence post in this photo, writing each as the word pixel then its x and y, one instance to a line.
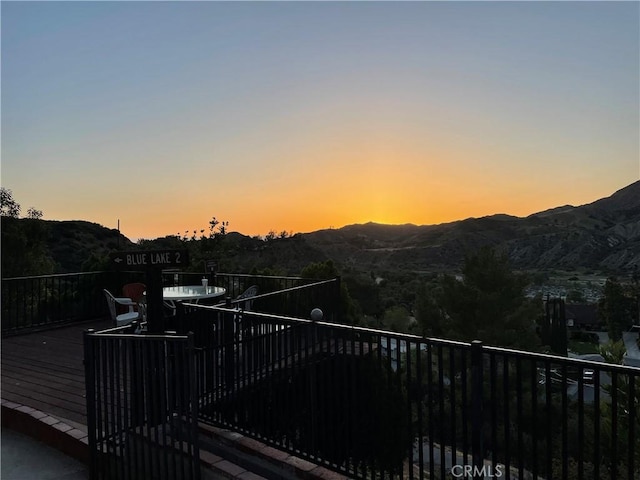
pixel 89 365
pixel 228 345
pixel 316 315
pixel 337 307
pixel 476 406
pixel 191 407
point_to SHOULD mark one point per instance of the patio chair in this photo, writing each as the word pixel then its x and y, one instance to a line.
pixel 247 296
pixel 142 316
pixel 135 291
pixel 170 308
pixel 123 318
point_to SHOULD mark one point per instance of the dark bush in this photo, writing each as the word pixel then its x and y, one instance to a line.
pixel 347 408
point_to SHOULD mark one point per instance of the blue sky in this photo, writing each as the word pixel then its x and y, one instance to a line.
pixel 303 115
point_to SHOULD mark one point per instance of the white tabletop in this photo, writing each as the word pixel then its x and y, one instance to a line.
pixel 191 292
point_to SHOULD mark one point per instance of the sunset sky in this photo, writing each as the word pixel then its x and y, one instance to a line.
pixel 300 116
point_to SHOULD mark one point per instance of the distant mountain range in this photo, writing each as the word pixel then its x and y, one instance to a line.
pixel 603 236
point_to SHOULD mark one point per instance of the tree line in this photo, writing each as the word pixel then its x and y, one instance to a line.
pixel 24 240
pixel 486 301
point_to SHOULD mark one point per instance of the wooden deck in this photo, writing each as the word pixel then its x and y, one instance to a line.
pixel 45 371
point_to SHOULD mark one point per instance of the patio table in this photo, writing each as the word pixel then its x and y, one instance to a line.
pixel 192 293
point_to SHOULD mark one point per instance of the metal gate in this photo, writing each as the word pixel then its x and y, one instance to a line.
pixel 142 409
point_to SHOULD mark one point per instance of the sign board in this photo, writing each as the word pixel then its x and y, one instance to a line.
pixel 211 266
pixel 152 262
pixel 145 260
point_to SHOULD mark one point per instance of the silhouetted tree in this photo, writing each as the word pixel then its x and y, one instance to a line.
pixel 34 213
pixel 349 409
pixel 8 206
pixel 429 313
pixel 396 319
pixel 487 303
pixel 366 293
pixel 555 322
pixel 325 271
pixel 217 227
pixel 24 247
pixel 616 308
pixel 626 399
pixel 24 241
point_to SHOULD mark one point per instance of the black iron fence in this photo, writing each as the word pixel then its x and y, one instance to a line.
pixel 42 301
pixel 143 391
pixel 374 404
pixel 297 301
pixel 366 403
pixel 31 302
pixel 142 409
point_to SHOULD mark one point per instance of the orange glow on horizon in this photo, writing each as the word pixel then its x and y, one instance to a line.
pixel 388 180
pixel 290 117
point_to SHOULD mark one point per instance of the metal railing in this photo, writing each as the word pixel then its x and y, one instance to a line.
pixel 143 390
pixel 36 302
pixel 366 403
pixel 42 301
pixel 141 406
pixel 375 404
pixel 297 301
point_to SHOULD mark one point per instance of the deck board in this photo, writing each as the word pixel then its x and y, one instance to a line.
pixel 44 370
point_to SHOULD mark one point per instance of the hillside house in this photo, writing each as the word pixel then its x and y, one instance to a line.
pixel 582 316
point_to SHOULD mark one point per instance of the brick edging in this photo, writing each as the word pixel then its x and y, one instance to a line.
pixel 74 442
pixel 47 429
pixel 301 468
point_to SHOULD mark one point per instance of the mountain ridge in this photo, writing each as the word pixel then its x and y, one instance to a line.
pixel 630 194
pixel 602 236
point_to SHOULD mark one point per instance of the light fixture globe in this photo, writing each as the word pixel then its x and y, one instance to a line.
pixel 316 314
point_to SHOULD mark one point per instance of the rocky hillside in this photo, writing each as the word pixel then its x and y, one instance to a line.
pixel 36 247
pixel 601 236
pixel 78 245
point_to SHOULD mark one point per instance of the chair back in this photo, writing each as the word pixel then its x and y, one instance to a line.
pixel 134 291
pixel 250 292
pixel 111 302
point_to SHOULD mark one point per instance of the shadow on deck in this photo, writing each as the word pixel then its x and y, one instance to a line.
pixel 45 371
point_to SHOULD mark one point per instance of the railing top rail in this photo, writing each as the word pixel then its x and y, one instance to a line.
pixel 432 341
pixel 265 316
pixel 277 292
pixel 248 275
pixel 117 333
pixel 240 275
pixel 284 290
pixel 351 328
pixel 52 275
pixel 558 359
